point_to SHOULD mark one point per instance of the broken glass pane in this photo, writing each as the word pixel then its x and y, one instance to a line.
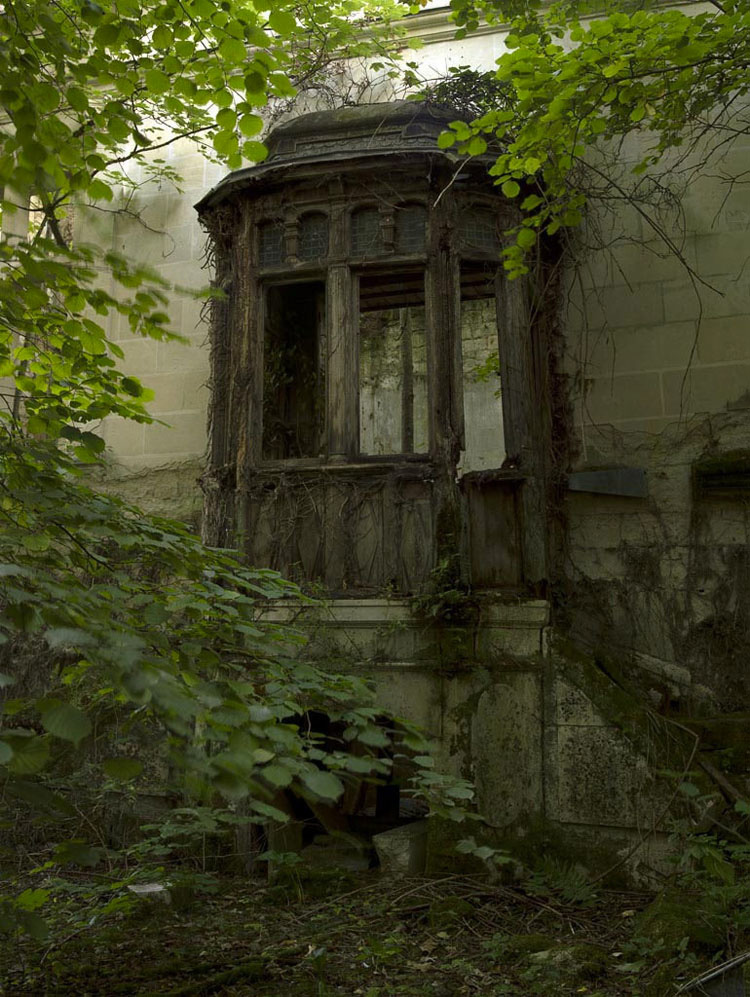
pixel 393 413
pixel 483 413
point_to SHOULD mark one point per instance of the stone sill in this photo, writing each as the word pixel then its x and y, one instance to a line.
pixel 494 612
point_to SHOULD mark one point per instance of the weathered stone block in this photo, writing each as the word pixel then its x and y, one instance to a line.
pixel 403 850
pixel 600 777
pixel 123 436
pixel 626 396
pixel 506 748
pixel 705 389
pixel 186 434
pixel 634 350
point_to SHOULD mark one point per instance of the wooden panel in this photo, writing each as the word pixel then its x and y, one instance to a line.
pixel 260 533
pixel 342 408
pixel 494 543
pixel 367 517
pixel 416 546
pixel 361 530
pixel 525 401
pixel 308 533
pixel 335 532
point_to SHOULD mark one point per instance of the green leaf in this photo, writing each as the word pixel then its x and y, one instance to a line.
pixel 254 151
pixel 477 146
pixel 37 542
pixel 32 899
pixel 233 50
pixel 283 22
pixel 122 769
pixel 460 792
pixel 157 81
pixel 30 754
pixel 64 720
pixel 6 753
pixel 250 124
pixel 526 238
pixel 225 143
pixel 46 97
pixel 323 784
pixel 162 37
pixel 99 191
pixel 77 98
pixel 510 188
pixel 446 140
pixel 277 775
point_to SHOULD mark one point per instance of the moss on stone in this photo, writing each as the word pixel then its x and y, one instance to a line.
pixel 676 915
pixel 572 963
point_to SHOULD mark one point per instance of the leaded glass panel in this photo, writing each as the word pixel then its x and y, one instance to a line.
pixel 313 237
pixel 271 244
pixel 367 238
pixel 479 231
pixel 410 228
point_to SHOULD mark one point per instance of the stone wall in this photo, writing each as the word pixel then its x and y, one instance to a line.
pixel 157 225
pixel 660 361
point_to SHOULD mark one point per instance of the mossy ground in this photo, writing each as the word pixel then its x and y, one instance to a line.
pixel 362 935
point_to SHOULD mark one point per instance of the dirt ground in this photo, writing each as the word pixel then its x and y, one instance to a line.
pixel 354 935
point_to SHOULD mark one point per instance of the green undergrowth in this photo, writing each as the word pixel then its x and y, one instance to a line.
pixel 363 934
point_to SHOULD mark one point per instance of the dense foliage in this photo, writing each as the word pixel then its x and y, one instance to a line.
pixel 106 612
pixel 670 77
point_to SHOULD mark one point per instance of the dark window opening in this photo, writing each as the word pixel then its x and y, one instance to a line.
pixel 367 235
pixel 393 412
pixel 294 370
pixel 313 236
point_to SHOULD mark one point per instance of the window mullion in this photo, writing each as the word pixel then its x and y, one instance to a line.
pixel 342 395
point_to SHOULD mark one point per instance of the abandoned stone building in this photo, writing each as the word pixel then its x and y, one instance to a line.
pixel 523 504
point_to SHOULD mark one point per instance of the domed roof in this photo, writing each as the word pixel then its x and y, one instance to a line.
pixel 347 133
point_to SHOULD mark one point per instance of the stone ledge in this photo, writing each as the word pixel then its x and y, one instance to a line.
pixel 494 613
